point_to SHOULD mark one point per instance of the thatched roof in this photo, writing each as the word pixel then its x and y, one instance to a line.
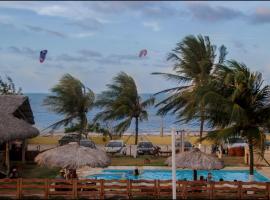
pixel 196 159
pixel 16 118
pixel 73 156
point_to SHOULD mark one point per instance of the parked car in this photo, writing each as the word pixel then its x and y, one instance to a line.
pixel 69 138
pixel 76 138
pixel 87 143
pixel 187 145
pixel 116 146
pixel 146 148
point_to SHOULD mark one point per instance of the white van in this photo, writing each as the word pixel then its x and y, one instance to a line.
pixel 115 147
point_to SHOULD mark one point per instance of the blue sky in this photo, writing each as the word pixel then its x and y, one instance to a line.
pixel 95 40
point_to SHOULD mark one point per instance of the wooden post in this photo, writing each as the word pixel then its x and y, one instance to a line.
pixel 158 188
pixel 101 189
pixel 75 189
pixel 211 191
pixel 24 146
pixel 184 190
pixel 46 189
pixel 268 190
pixel 240 190
pixel 7 162
pixel 18 189
pixel 128 189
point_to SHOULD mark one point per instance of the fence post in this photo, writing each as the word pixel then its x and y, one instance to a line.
pixel 240 190
pixel 18 189
pixel 75 189
pixel 101 189
pixel 46 189
pixel 158 188
pixel 211 191
pixel 184 189
pixel 128 188
pixel 268 190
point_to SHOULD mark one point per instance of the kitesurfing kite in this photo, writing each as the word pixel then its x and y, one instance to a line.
pixel 143 53
pixel 42 56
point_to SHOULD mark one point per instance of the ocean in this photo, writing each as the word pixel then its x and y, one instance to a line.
pixel 44 118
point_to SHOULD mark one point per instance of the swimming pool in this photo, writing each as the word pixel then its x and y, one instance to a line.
pixel 227 175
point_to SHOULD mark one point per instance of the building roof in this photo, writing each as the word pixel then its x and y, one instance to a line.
pixel 16 118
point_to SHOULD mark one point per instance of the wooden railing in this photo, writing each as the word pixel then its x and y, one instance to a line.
pixel 128 189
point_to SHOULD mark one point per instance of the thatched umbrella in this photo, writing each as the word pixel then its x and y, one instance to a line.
pixel 73 156
pixel 196 160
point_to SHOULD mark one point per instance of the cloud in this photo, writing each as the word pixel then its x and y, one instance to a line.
pixel 82 35
pixel 89 53
pixel 89 24
pixel 70 58
pixel 205 12
pixel 25 51
pixel 50 32
pixel 153 25
pixel 261 16
pixel 240 45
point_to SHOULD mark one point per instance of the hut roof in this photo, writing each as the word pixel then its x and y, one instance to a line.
pixel 16 118
pixel 195 159
pixel 73 156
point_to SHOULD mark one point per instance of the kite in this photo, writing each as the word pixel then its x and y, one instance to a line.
pixel 42 56
pixel 143 53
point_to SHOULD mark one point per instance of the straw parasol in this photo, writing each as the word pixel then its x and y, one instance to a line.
pixel 16 118
pixel 73 156
pixel 196 160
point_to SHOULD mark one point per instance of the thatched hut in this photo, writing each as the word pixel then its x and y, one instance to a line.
pixel 73 156
pixel 196 160
pixel 16 120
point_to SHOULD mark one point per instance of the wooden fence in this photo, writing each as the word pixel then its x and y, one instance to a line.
pixel 130 189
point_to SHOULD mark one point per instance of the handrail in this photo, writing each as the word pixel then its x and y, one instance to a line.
pixel 102 189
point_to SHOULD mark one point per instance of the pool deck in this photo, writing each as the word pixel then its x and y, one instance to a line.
pixel 265 171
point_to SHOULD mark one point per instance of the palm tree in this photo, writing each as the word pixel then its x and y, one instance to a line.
pixel 8 87
pixel 122 103
pixel 194 63
pixel 237 104
pixel 71 99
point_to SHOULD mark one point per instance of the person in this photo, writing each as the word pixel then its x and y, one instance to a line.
pixel 221 179
pixel 61 174
pixel 14 173
pixel 209 176
pixel 201 178
pixel 136 172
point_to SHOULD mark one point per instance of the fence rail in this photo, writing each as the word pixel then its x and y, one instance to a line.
pixel 129 189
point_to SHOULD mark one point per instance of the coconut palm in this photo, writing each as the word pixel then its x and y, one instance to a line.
pixel 194 63
pixel 7 87
pixel 122 103
pixel 71 99
pixel 237 104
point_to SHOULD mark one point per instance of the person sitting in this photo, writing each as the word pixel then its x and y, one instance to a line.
pixel 61 175
pixel 201 178
pixel 14 173
pixel 209 176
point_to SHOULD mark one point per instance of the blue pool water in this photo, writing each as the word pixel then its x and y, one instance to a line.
pixel 227 175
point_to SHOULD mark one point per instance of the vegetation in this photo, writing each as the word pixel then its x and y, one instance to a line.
pixel 237 104
pixel 194 63
pixel 7 87
pixel 71 99
pixel 122 103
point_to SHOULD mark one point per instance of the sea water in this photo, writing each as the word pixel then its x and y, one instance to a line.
pixel 44 118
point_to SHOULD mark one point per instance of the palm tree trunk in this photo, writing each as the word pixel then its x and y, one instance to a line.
pixel 136 130
pixel 201 125
pixel 251 160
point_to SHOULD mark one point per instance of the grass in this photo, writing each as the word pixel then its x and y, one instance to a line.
pixel 155 139
pixel 31 170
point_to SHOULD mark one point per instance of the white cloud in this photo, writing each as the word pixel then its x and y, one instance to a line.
pixel 153 25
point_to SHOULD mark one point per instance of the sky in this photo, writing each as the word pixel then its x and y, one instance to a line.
pixel 93 41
